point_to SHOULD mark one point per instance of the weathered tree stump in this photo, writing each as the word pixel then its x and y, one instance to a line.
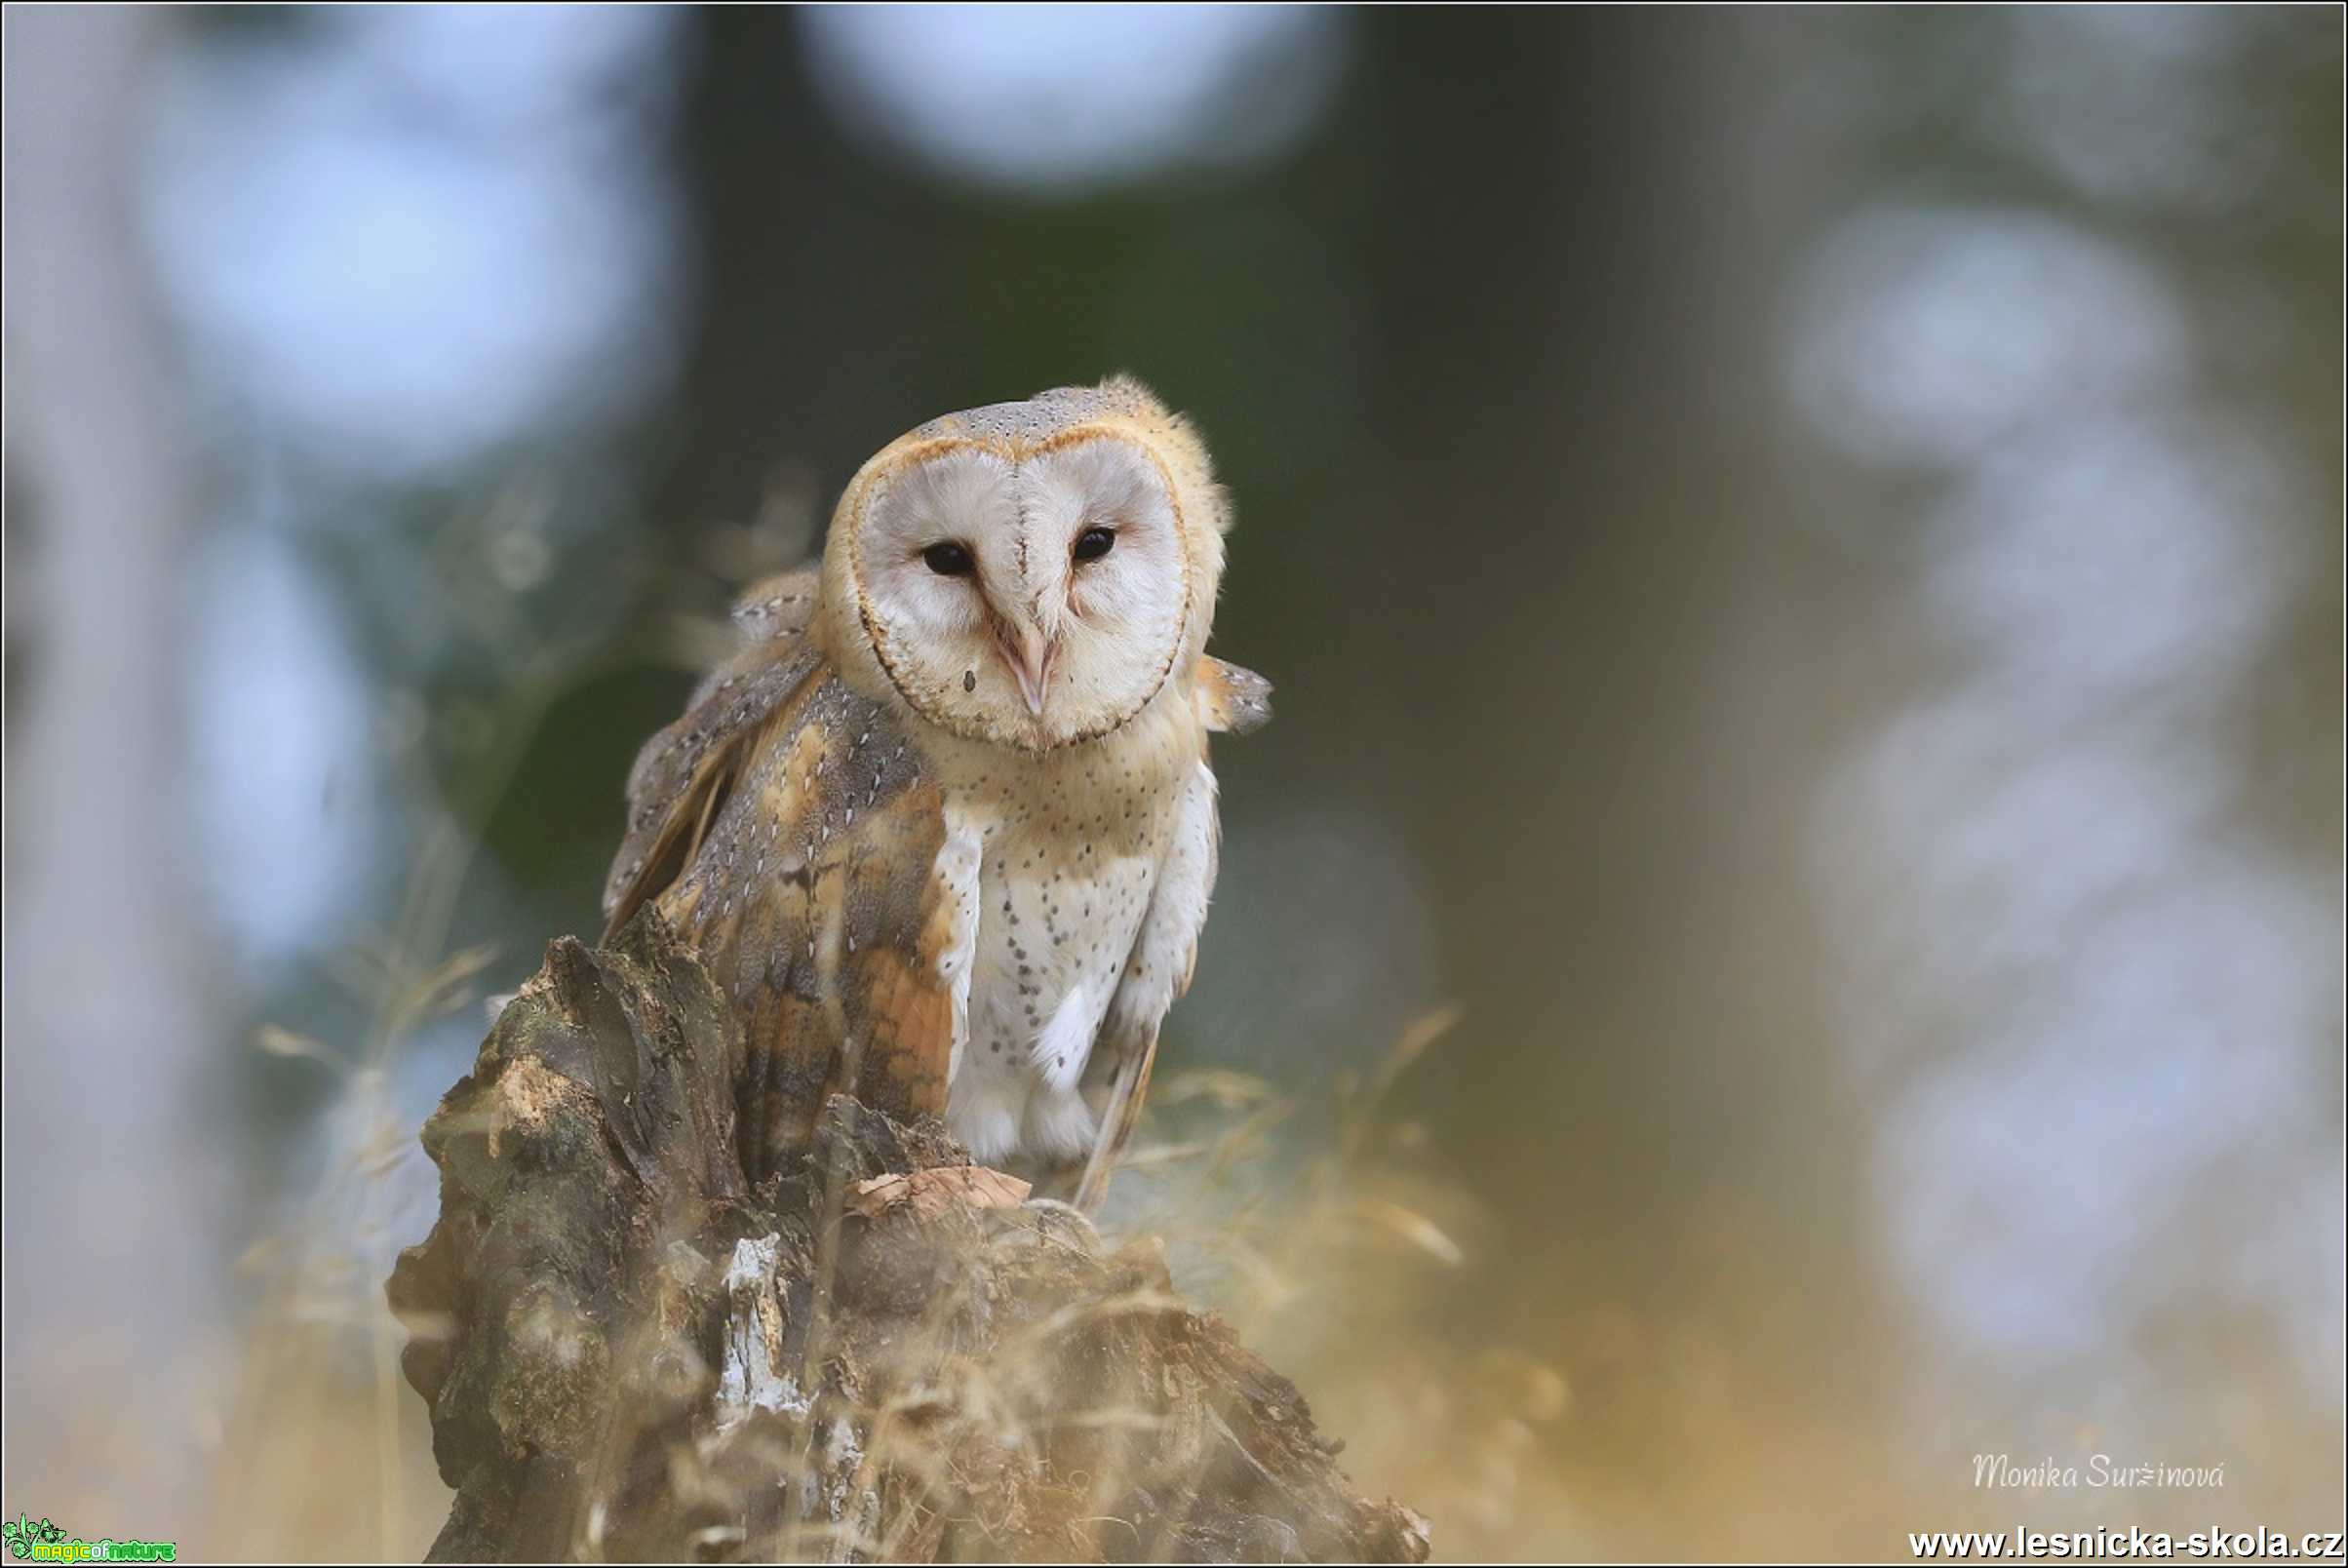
pixel 881 1352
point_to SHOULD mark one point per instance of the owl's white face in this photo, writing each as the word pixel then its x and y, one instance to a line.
pixel 1035 601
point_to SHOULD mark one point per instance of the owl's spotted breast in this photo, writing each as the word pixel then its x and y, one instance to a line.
pixel 1073 851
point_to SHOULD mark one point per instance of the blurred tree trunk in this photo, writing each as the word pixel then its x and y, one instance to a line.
pixel 106 1007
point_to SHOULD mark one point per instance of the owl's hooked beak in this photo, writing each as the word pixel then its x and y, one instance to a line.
pixel 1030 652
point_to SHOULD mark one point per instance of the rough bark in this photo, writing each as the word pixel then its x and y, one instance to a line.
pixel 881 1352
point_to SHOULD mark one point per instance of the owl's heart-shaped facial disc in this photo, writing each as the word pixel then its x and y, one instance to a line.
pixel 1027 592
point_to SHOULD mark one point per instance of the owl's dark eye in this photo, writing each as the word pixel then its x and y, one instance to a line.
pixel 1094 544
pixel 950 560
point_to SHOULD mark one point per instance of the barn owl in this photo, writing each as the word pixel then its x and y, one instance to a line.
pixel 944 829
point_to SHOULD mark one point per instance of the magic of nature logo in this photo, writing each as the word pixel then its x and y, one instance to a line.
pixel 43 1541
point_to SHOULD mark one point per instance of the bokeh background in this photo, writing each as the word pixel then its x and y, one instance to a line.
pixel 1801 554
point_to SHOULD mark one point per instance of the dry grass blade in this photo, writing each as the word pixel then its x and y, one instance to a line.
pixel 1414 1229
pixel 1228 1089
pixel 442 988
pixel 273 1039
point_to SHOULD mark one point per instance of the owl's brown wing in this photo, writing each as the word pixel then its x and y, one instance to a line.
pixel 784 828
pixel 684 773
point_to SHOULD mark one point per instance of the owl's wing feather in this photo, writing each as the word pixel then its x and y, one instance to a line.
pixel 786 831
pixel 683 776
pixel 1231 699
pixel 781 607
pixel 1117 1075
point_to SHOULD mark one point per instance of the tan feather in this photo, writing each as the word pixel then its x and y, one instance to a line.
pixel 1230 699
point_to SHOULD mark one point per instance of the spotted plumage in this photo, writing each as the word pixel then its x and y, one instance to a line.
pixel 945 827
